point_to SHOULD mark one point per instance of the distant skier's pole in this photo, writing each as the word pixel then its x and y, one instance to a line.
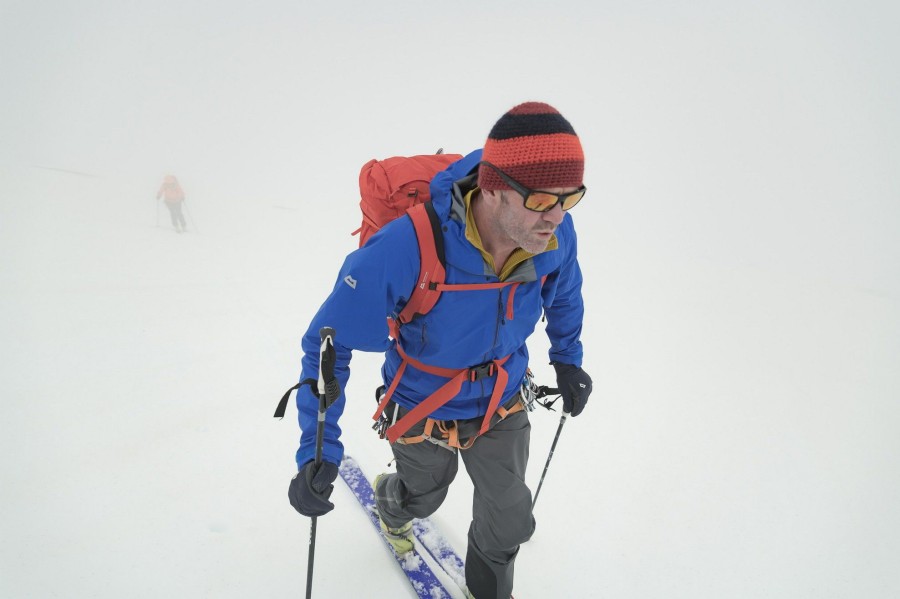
pixel 190 216
pixel 329 390
pixel 157 212
pixel 562 422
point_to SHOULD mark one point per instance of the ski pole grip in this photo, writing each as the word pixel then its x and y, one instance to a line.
pixel 330 388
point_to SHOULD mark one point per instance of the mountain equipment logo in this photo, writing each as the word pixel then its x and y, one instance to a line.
pixel 350 281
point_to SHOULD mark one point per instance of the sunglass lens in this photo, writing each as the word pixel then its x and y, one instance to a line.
pixel 540 202
pixel 573 199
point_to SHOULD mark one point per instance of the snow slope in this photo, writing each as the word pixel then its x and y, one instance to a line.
pixel 741 440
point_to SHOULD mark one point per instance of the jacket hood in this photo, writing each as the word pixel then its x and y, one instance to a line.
pixel 457 177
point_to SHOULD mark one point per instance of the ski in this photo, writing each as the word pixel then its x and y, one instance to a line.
pixel 424 581
pixel 441 551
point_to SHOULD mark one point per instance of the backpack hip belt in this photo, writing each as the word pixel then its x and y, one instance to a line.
pixel 448 430
pixel 446 392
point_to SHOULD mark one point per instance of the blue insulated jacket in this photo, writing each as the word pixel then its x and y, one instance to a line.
pixel 464 329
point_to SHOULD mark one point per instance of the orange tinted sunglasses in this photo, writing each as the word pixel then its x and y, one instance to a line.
pixel 541 201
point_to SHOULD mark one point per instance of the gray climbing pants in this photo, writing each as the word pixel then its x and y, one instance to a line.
pixel 501 506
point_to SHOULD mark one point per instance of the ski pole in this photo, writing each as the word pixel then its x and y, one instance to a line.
pixel 562 422
pixel 190 216
pixel 328 390
pixel 157 212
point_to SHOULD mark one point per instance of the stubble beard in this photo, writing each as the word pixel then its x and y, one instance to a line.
pixel 525 236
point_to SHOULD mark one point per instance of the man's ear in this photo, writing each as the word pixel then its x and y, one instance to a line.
pixel 493 196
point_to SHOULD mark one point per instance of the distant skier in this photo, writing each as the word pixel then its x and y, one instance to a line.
pixel 173 195
pixel 505 222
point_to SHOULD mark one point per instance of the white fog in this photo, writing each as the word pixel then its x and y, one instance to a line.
pixel 739 243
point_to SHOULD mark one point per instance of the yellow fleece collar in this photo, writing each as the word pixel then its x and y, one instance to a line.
pixel 517 257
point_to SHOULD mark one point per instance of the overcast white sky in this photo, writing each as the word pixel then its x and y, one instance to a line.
pixel 776 119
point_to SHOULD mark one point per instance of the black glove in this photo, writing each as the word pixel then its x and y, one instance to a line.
pixel 311 488
pixel 574 386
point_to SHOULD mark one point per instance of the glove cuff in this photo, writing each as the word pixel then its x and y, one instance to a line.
pixel 562 368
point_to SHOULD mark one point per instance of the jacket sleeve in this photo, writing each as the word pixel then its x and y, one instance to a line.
pixel 373 283
pixel 565 315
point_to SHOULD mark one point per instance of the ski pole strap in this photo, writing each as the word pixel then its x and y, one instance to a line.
pixel 282 405
pixel 448 391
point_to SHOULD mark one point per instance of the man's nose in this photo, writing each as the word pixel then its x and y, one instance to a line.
pixel 555 214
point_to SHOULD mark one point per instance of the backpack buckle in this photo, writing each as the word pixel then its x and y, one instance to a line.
pixel 476 373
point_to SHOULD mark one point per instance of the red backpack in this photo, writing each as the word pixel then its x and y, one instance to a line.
pixel 389 187
pixel 401 185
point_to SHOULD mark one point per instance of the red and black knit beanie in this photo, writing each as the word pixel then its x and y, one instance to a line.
pixel 536 146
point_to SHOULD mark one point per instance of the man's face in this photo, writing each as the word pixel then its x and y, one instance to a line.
pixel 529 229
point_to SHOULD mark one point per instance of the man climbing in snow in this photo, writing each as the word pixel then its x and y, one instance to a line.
pixel 454 375
pixel 170 191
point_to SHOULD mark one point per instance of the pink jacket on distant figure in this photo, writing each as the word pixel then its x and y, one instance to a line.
pixel 170 190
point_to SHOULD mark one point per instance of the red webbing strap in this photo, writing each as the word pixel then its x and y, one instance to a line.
pixel 496 396
pixel 434 401
pixel 470 286
pixel 448 391
pixel 449 373
pixel 367 221
pixel 387 396
pixel 481 286
pixel 436 370
pixel 431 269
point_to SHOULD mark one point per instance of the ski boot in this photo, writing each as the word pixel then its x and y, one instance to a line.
pixel 401 539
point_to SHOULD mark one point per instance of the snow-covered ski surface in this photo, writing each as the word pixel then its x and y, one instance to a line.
pixel 424 581
pixel 440 549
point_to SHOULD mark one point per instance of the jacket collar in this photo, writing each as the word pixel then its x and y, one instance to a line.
pixel 448 192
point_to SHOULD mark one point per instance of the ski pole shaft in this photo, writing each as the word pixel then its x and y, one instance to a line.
pixel 562 422
pixel 312 556
pixel 329 391
pixel 190 216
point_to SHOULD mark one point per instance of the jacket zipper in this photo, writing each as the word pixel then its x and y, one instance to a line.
pixel 499 322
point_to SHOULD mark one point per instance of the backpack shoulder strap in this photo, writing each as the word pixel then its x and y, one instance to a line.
pixel 434 222
pixel 431 270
